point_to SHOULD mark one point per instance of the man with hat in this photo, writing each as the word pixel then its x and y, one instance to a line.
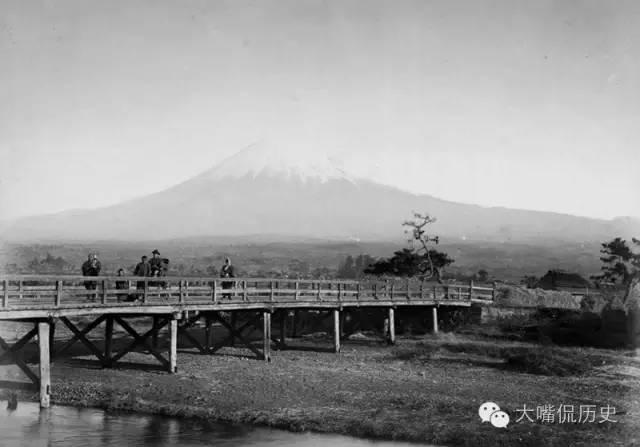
pixel 156 263
pixel 91 267
pixel 158 267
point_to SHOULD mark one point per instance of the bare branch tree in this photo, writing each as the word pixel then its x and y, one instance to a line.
pixel 416 228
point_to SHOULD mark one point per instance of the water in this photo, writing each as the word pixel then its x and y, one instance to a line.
pixel 75 427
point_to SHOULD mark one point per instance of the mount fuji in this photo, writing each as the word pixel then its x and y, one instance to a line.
pixel 264 190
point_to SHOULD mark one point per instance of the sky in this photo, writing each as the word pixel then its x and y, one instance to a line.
pixel 510 103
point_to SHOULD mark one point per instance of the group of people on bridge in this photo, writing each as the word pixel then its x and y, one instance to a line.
pixel 154 267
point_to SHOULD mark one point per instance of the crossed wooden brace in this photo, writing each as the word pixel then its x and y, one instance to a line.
pixel 106 359
pixel 12 352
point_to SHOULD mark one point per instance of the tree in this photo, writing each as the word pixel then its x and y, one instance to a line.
pixel 428 266
pixel 408 263
pixel 620 262
pixel 423 261
pixel 530 281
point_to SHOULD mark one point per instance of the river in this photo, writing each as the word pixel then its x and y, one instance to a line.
pixel 28 426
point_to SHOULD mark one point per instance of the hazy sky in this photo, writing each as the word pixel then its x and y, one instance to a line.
pixel 528 104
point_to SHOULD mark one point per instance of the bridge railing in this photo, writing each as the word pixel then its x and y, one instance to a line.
pixel 47 291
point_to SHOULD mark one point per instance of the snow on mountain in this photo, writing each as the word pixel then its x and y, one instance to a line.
pixel 264 159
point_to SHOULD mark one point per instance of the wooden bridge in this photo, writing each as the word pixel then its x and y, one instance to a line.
pixel 167 301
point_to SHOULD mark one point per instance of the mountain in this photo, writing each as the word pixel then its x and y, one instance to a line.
pixel 266 190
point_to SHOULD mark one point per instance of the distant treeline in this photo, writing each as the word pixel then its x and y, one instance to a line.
pixel 473 260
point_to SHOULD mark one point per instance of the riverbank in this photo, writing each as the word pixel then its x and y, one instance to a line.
pixel 425 390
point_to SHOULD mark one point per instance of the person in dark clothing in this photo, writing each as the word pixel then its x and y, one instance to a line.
pixel 227 271
pixel 156 263
pixel 142 269
pixel 91 267
pixel 159 267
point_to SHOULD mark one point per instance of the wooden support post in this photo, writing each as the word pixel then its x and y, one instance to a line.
pixel 181 290
pixel 358 291
pixel 297 291
pixel 339 292
pixel 173 350
pixel 283 328
pixel 244 290
pixel 214 294
pixel 318 291
pixel 408 289
pixel 434 311
pixel 470 290
pixel 146 291
pixel 392 326
pixel 493 292
pixel 266 333
pixel 5 296
pixel 108 342
pixel 272 296
pixel 45 365
pixel 422 289
pixel 336 330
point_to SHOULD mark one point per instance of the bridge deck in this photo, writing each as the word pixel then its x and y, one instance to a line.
pixel 37 296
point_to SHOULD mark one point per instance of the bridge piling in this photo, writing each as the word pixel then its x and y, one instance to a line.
pixel 266 332
pixel 336 331
pixel 392 326
pixel 173 350
pixel 45 363
pixel 208 334
pixel 434 314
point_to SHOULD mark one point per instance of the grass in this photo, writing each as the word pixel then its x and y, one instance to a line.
pixel 525 358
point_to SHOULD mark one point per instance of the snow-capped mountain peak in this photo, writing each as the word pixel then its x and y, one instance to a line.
pixel 262 159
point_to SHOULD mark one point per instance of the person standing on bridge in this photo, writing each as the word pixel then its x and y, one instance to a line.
pixel 156 263
pixel 142 269
pixel 227 271
pixel 91 267
pixel 159 267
